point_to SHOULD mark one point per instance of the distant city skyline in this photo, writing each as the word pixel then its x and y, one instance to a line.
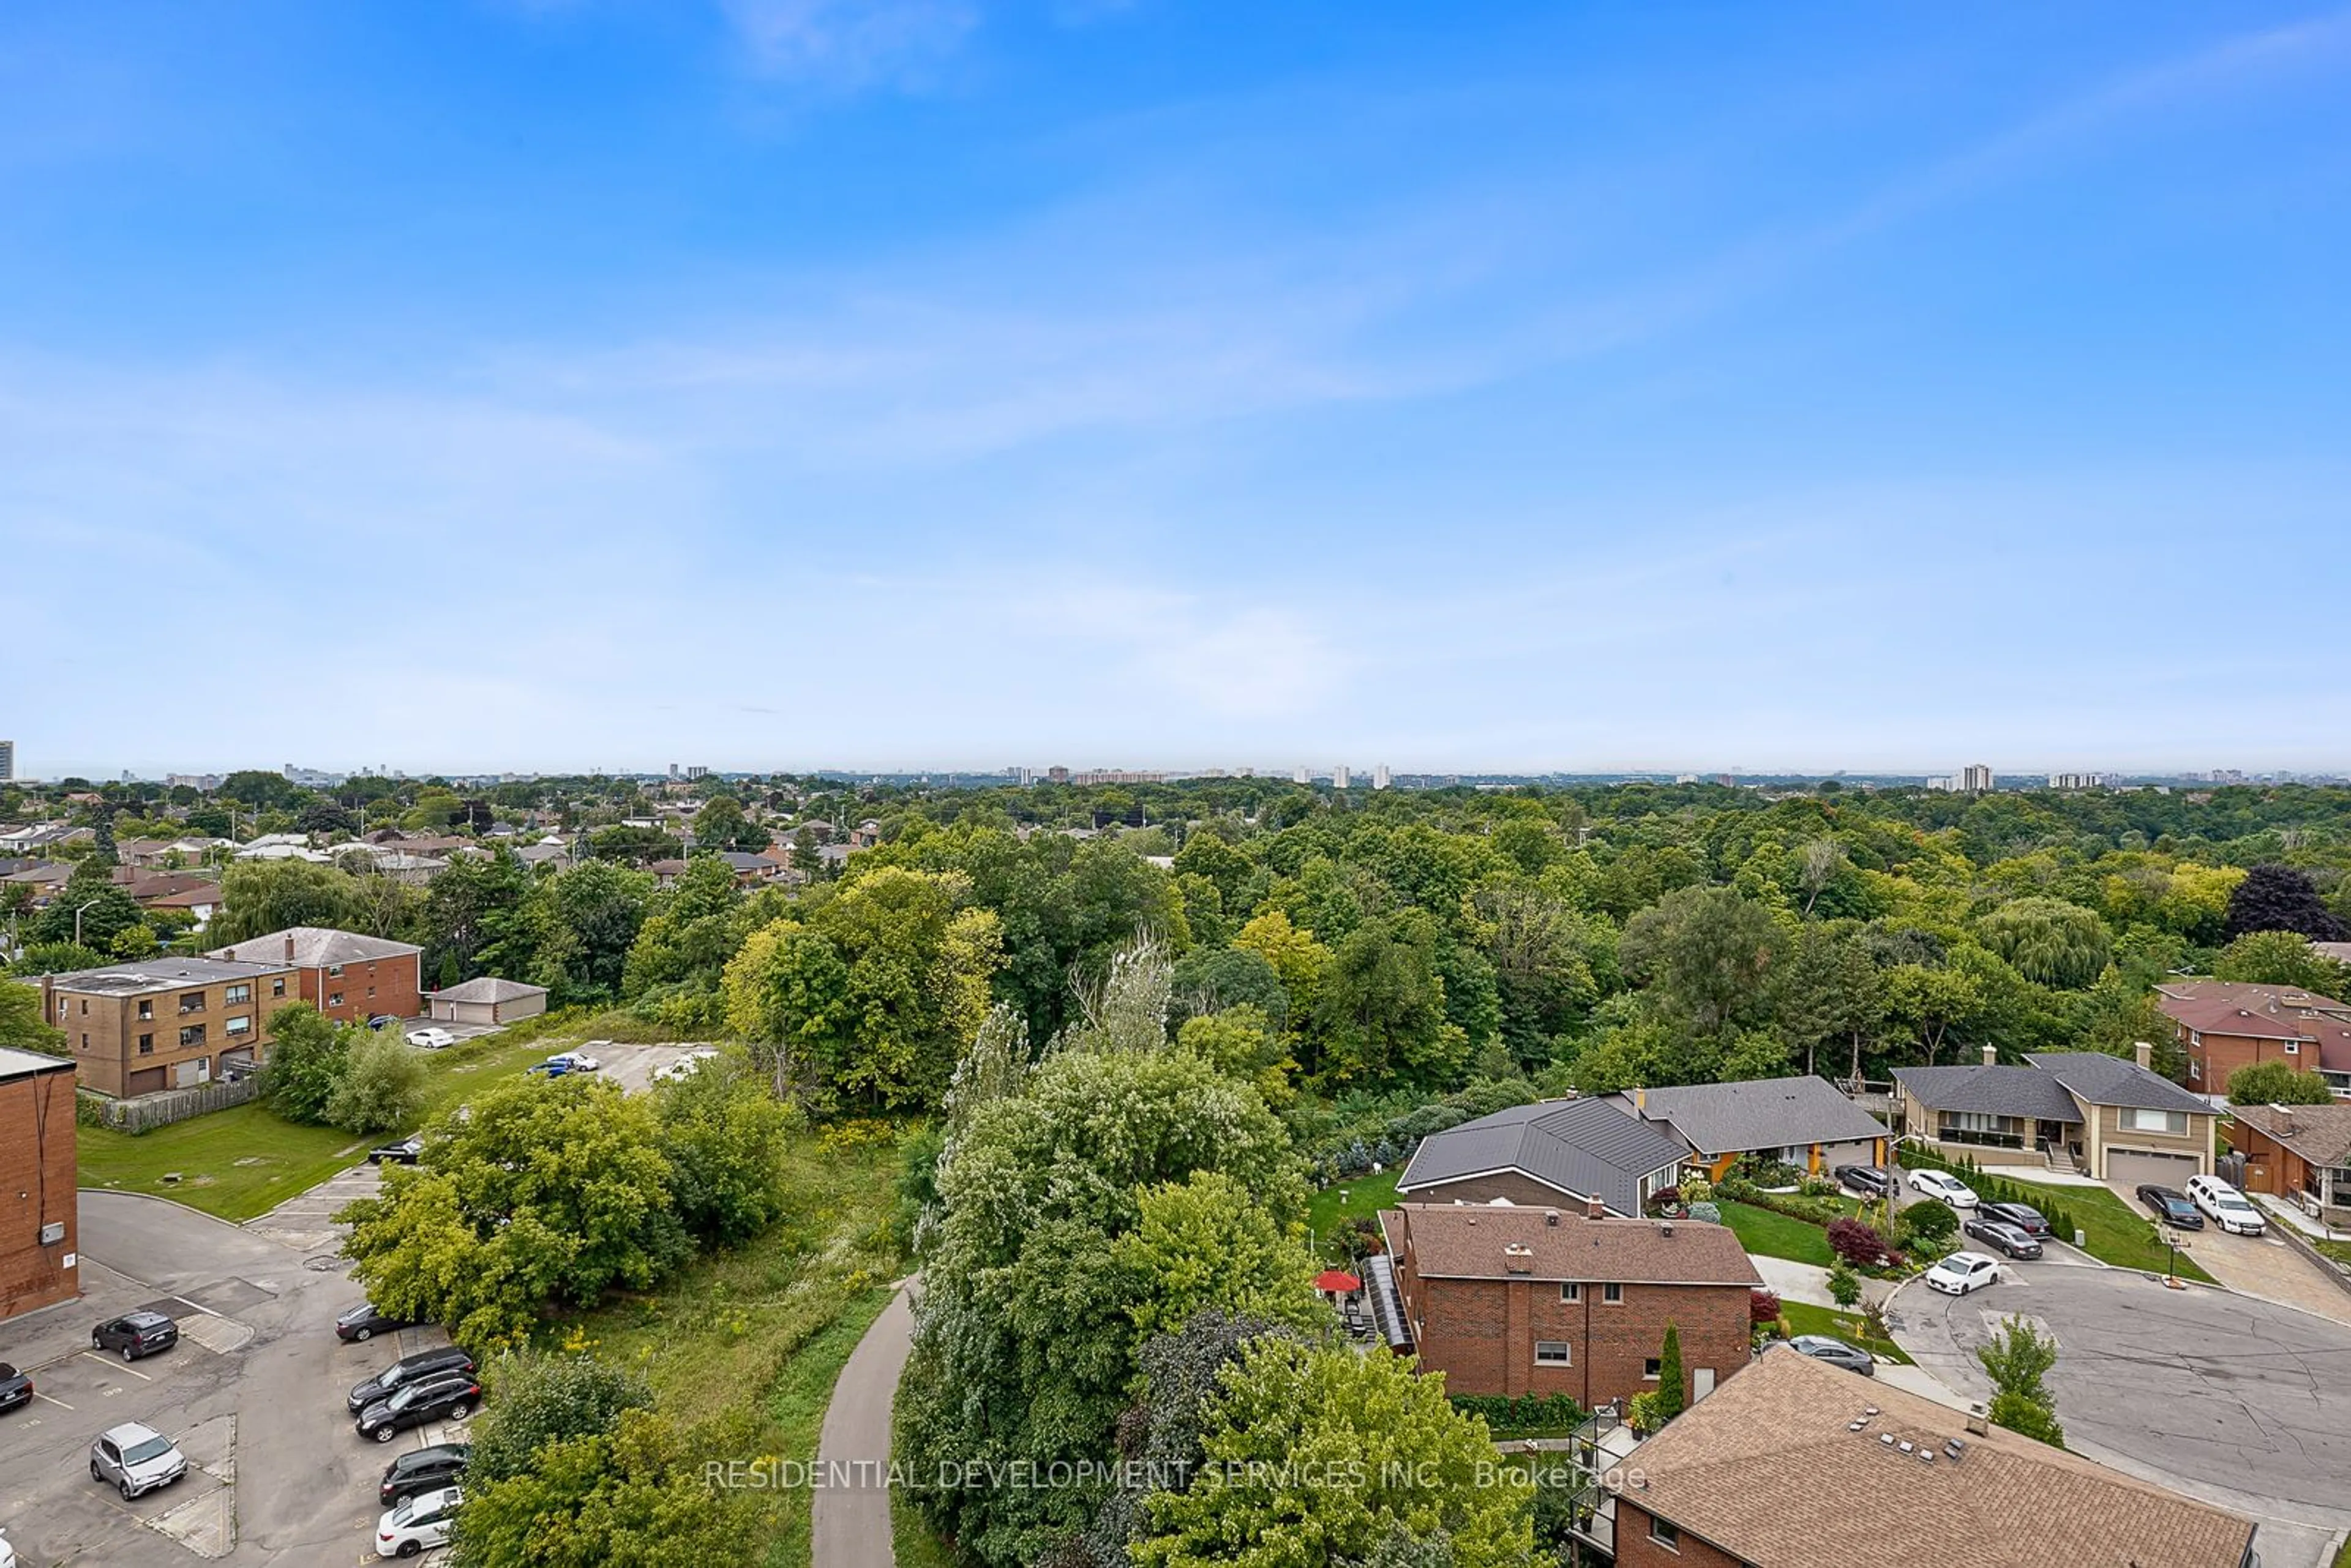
pixel 529 385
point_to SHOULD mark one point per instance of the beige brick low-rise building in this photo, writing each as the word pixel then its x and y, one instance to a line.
pixel 164 1023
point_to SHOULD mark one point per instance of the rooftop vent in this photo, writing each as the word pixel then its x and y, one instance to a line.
pixel 1664 1227
pixel 1926 1454
pixel 1551 1218
pixel 1955 1448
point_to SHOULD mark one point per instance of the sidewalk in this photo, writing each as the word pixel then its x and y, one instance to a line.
pixel 2046 1176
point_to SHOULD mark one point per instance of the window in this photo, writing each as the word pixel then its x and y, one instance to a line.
pixel 2139 1120
pixel 1554 1353
pixel 1649 1369
pixel 2195 1067
pixel 336 1000
pixel 85 1006
pixel 334 971
pixel 1611 1295
pixel 1664 1536
pixel 1571 1292
pixel 146 1045
pixel 147 1009
pixel 191 1035
pixel 2294 1048
pixel 371 991
pixel 241 1024
pixel 1973 1122
pixel 85 1039
pixel 236 994
pixel 278 987
pixel 192 1001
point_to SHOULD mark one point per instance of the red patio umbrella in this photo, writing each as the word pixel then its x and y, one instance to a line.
pixel 1338 1280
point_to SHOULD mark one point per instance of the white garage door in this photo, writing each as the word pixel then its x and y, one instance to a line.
pixel 2136 1165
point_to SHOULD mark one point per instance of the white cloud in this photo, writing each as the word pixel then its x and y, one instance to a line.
pixel 850 44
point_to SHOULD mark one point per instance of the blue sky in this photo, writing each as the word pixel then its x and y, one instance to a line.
pixel 784 383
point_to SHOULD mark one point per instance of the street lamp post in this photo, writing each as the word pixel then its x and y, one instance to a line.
pixel 91 905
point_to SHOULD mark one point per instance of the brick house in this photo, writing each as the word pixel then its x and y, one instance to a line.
pixel 165 1022
pixel 2299 1153
pixel 1795 1464
pixel 1553 1152
pixel 2224 1025
pixel 38 1260
pixel 1509 1300
pixel 347 977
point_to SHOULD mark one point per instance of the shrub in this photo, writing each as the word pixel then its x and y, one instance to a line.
pixel 1697 1189
pixel 1856 1244
pixel 1764 1306
pixel 1673 1384
pixel 1506 1416
pixel 1932 1220
pixel 1706 1212
pixel 2022 1416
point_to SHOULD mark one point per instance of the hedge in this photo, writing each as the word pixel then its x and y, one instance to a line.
pixel 1508 1416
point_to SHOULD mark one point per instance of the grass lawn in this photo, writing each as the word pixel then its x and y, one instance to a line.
pixel 244 1161
pixel 1773 1235
pixel 1341 1201
pixel 744 1347
pixel 1803 1317
pixel 2116 1233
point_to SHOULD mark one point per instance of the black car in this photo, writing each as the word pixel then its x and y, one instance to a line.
pixel 402 1153
pixel 2000 1235
pixel 135 1335
pixel 2023 1216
pixel 421 1470
pixel 427 1399
pixel 15 1387
pixel 363 1322
pixel 1835 1352
pixel 1870 1180
pixel 2171 1207
pixel 408 1369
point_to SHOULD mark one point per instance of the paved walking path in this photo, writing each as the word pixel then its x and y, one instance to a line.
pixel 850 1524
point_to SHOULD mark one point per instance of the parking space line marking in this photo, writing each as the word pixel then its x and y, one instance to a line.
pixel 126 1366
pixel 198 1305
pixel 59 1402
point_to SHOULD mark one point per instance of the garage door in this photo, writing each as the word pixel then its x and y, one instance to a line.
pixel 2132 1167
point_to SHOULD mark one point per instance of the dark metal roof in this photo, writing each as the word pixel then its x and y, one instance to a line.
pixel 2102 1080
pixel 1585 1148
pixel 1764 1114
pixel 2003 1090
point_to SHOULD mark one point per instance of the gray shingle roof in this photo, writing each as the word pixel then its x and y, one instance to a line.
pixel 490 989
pixel 1763 1113
pixel 315 947
pixel 1585 1147
pixel 2005 1089
pixel 2104 1079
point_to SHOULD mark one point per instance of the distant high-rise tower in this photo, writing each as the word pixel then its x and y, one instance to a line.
pixel 1057 774
pixel 1300 776
pixel 1975 779
pixel 1380 777
pixel 1339 777
pixel 7 759
pixel 672 772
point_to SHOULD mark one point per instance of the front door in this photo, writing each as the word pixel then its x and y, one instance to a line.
pixel 1701 1383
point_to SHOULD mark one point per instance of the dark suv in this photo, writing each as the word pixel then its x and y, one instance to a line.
pixel 408 1369
pixel 423 1470
pixel 363 1322
pixel 135 1335
pixel 2023 1216
pixel 452 1396
pixel 15 1387
pixel 2171 1206
pixel 1869 1181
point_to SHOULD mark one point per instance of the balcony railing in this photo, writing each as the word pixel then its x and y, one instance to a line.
pixel 1979 1139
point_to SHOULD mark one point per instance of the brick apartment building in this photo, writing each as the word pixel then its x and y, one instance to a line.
pixel 1509 1300
pixel 1795 1464
pixel 2225 1025
pixel 38 1265
pixel 164 1023
pixel 349 977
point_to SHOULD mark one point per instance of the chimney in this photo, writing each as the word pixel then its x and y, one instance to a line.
pixel 2281 1123
pixel 1551 1218
pixel 1640 1100
pixel 1593 1208
pixel 1519 1257
pixel 1992 1056
pixel 2144 1054
pixel 1976 1421
pixel 289 946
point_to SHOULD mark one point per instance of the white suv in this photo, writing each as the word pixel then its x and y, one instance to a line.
pixel 2224 1205
pixel 136 1460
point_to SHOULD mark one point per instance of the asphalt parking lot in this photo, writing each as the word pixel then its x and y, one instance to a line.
pixel 252 1393
pixel 2224 1397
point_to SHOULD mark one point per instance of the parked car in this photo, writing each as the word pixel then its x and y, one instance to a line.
pixel 451 1395
pixel 1961 1272
pixel 1943 1185
pixel 404 1153
pixel 2225 1206
pixel 362 1324
pixel 382 1021
pixel 1868 1180
pixel 136 1460
pixel 406 1369
pixel 577 1061
pixel 431 1039
pixel 15 1387
pixel 417 1523
pixel 686 1066
pixel 135 1335
pixel 2013 1239
pixel 2170 1206
pixel 2023 1216
pixel 1835 1352
pixel 421 1470
pixel 553 1067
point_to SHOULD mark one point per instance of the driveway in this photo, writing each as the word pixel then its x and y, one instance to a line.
pixel 2260 1266
pixel 2238 1401
pixel 252 1393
